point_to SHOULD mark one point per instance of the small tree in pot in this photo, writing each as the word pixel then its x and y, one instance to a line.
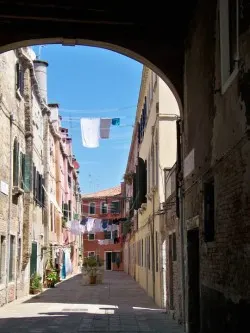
pixel 90 265
pixel 35 284
pixel 52 279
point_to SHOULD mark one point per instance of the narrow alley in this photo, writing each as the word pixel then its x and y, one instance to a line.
pixel 117 305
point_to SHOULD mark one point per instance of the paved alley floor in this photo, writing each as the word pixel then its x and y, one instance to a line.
pixel 118 305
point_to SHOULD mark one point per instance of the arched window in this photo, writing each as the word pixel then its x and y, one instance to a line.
pixel 19 79
pixel 104 208
pixel 16 163
pixel 92 208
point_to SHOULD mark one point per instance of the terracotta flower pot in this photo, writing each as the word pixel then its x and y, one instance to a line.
pixel 92 279
pixel 34 291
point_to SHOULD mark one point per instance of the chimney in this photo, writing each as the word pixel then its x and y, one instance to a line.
pixel 54 108
pixel 41 75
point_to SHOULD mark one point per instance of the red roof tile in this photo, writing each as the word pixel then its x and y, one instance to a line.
pixel 104 193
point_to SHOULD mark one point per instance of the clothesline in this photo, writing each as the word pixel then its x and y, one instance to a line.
pixel 79 118
pixel 98 110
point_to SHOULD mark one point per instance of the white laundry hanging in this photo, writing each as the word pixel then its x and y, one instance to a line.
pixel 98 225
pixel 90 224
pixel 90 128
pixel 75 227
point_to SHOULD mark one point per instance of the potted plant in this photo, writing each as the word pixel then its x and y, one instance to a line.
pixel 52 279
pixel 128 177
pixel 35 284
pixel 90 265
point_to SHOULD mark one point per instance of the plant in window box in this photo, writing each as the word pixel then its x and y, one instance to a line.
pixel 128 178
pixel 35 284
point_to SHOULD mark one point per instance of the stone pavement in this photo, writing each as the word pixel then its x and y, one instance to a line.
pixel 118 305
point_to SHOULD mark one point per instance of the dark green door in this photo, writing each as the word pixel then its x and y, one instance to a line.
pixel 33 259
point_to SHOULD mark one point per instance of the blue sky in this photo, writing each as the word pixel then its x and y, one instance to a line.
pixel 93 82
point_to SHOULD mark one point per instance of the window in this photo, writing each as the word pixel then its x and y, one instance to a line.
pixel 209 211
pixel 229 21
pixel 12 258
pixel 115 207
pixel 16 163
pixel 156 252
pixel 92 208
pixel 2 257
pixel 91 236
pixel 38 190
pixel 19 79
pixel 91 253
pixel 114 234
pixel 149 252
pixel 69 181
pixel 70 210
pixel 174 252
pixel 107 234
pixel 104 208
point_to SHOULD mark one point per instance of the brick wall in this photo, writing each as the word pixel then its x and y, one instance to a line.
pixel 10 102
pixel 172 225
pixel 215 126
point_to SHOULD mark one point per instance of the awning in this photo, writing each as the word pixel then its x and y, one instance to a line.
pixel 53 200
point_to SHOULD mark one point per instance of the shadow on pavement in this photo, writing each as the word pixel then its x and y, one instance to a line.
pixel 70 322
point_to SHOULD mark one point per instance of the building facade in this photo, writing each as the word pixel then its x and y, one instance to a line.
pixel 103 216
pixel 157 113
pixel 31 227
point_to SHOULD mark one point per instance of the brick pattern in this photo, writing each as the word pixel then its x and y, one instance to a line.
pixel 217 134
pixel 172 224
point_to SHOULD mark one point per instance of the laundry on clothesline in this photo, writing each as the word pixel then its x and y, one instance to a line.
pixel 105 128
pixel 93 129
pixel 90 128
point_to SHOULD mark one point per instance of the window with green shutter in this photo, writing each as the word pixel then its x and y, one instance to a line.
pixel 15 163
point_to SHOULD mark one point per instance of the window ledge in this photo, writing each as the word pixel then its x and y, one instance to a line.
pixel 230 80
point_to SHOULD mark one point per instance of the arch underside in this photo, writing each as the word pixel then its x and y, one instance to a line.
pixel 151 35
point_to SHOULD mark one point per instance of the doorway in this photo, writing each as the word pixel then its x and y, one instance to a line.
pixel 193 281
pixel 108 261
pixel 33 259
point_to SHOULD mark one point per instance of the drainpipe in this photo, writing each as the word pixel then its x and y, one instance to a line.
pixel 10 209
pixel 46 210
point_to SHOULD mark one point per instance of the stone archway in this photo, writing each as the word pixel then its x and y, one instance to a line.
pixel 108 46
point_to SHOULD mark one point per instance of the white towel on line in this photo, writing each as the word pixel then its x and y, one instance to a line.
pixel 90 128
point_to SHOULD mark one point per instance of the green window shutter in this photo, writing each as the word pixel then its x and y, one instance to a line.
pixel 15 163
pixel 22 173
pixel 34 181
pixel 27 174
pixel 33 259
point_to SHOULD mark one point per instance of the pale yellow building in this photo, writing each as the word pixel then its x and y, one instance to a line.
pixel 157 112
